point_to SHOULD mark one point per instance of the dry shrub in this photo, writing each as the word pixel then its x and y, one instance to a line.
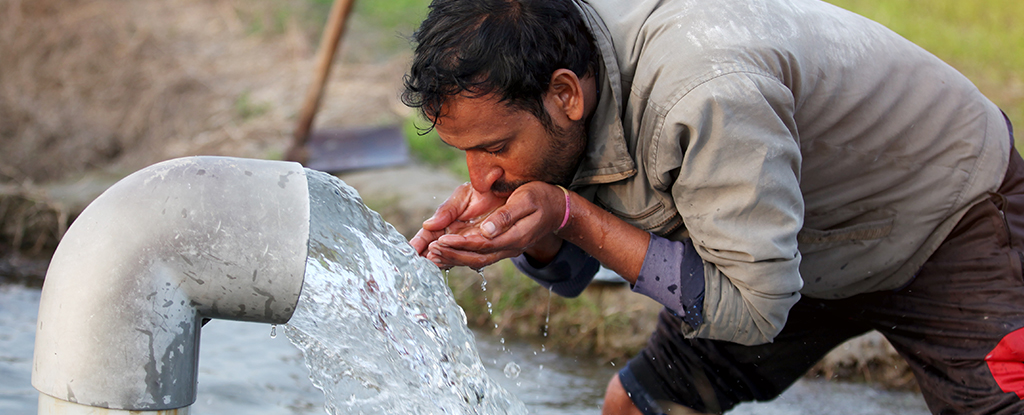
pixel 32 221
pixel 867 358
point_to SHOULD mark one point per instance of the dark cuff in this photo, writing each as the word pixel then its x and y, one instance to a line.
pixel 567 275
pixel 673 275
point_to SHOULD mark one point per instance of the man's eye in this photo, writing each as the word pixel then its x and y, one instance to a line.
pixel 495 151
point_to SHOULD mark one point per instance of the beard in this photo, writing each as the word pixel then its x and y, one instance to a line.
pixel 557 164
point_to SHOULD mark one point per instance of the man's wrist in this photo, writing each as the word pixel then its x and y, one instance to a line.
pixel 544 251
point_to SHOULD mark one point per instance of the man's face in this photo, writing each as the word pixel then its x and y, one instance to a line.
pixel 506 147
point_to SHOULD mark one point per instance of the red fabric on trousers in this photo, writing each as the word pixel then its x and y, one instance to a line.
pixel 1007 363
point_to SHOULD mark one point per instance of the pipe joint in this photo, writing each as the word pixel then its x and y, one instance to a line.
pixel 162 249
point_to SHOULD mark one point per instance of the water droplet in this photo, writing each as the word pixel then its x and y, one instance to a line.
pixel 273 331
pixel 512 370
pixel 547 316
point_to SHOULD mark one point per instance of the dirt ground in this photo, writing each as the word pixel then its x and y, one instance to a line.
pixel 91 90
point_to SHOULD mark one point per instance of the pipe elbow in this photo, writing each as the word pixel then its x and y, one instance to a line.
pixel 130 282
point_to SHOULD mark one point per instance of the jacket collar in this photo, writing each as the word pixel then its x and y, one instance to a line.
pixel 607 157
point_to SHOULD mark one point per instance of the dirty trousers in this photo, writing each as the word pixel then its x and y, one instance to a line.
pixel 959 324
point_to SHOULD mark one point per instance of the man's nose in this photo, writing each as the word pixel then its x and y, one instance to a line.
pixel 482 173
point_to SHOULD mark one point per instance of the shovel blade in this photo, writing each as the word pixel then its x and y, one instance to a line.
pixel 340 150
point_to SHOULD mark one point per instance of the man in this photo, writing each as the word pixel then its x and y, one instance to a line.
pixel 782 175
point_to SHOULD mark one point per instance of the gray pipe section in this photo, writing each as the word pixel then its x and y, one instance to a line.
pixel 130 282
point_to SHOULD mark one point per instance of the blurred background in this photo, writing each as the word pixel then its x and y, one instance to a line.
pixel 92 90
pixel 104 87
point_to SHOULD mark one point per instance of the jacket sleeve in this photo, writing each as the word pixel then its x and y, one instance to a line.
pixel 567 275
pixel 673 275
pixel 734 141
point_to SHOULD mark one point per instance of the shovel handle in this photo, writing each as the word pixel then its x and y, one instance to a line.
pixel 339 13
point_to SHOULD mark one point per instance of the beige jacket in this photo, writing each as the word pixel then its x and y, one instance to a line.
pixel 804 149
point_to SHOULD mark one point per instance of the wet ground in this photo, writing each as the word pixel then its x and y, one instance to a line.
pixel 244 370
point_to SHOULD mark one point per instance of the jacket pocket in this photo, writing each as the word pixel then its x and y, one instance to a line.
pixel 635 202
pixel 656 218
pixel 814 240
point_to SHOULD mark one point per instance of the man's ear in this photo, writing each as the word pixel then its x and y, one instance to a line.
pixel 565 93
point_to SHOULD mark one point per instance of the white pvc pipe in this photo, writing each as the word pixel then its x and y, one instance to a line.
pixel 49 405
pixel 147 261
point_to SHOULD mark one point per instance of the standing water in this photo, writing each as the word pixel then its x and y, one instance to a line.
pixel 377 324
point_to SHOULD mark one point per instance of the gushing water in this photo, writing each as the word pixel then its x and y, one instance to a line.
pixel 379 328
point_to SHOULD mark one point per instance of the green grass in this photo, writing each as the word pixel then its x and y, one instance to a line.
pixel 509 303
pixel 984 39
pixel 393 21
pixel 248 109
pixel 401 15
pixel 385 14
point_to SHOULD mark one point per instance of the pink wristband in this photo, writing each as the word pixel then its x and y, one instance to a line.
pixel 565 219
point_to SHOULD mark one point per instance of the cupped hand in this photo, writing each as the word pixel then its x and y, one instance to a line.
pixel 526 222
pixel 463 208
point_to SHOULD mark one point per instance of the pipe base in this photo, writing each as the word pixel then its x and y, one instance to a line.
pixel 49 405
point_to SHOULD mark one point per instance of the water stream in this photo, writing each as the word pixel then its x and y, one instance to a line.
pixel 379 327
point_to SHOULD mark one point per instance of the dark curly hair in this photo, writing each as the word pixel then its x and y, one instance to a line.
pixel 506 47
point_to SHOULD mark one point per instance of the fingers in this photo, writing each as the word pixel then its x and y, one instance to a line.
pixel 447 257
pixel 451 209
pixel 497 222
pixel 480 206
pixel 514 239
pixel 507 245
pixel 505 217
pixel 444 216
pixel 526 206
pixel 511 226
pixel 464 204
pixel 423 238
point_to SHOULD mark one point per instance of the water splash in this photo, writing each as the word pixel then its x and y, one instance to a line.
pixel 512 370
pixel 377 324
